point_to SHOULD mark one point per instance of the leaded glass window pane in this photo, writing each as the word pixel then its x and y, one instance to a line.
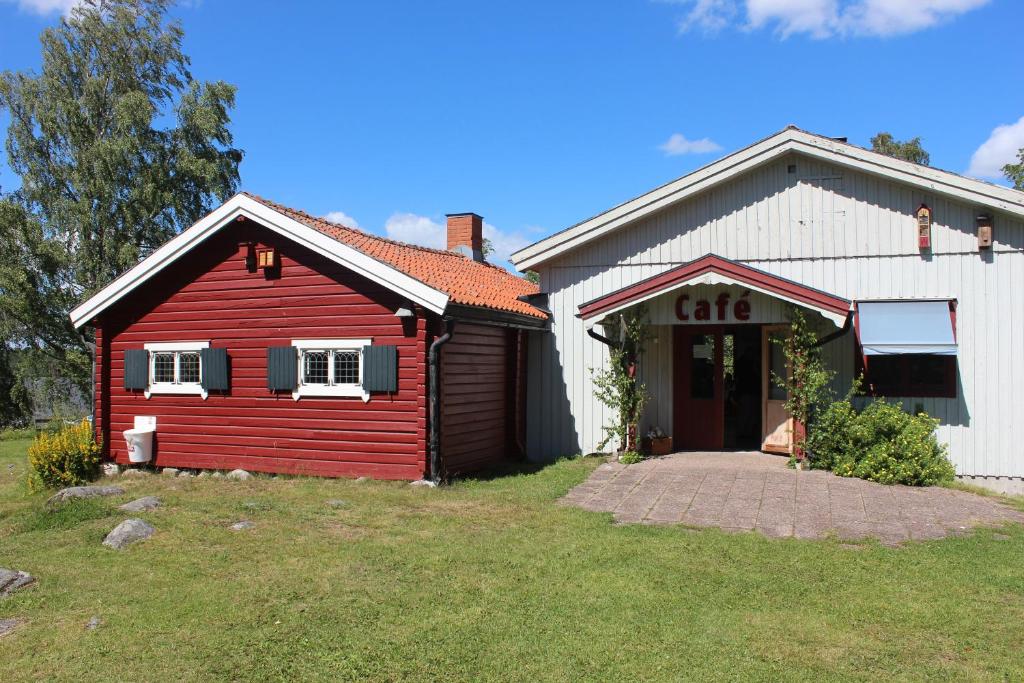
pixel 163 368
pixel 346 367
pixel 188 367
pixel 314 367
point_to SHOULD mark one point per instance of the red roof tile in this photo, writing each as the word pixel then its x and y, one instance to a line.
pixel 464 280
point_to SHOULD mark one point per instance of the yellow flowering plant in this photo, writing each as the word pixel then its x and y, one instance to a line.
pixel 70 456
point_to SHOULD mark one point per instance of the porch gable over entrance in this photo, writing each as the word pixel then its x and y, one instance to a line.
pixel 715 270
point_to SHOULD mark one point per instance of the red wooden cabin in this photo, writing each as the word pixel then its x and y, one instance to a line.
pixel 266 339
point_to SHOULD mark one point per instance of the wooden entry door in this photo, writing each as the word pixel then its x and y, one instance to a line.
pixel 777 425
pixel 698 396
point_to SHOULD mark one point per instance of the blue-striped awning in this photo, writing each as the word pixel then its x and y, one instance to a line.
pixel 896 327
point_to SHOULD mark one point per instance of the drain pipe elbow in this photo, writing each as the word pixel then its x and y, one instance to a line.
pixel 433 360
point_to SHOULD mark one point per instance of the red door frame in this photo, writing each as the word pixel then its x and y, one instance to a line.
pixel 697 424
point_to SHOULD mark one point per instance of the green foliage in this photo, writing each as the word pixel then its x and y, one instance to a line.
pixel 909 150
pixel 617 385
pixel 68 457
pixel 882 443
pixel 15 401
pixel 68 515
pixel 118 149
pixel 1015 172
pixel 807 380
pixel 533 276
pixel 631 458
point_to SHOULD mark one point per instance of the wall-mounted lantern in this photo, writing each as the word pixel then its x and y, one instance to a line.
pixel 984 231
pixel 266 258
pixel 924 227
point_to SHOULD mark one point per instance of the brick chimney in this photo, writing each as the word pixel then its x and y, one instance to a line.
pixel 466 235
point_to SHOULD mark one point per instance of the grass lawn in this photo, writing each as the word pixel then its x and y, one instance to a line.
pixel 485 580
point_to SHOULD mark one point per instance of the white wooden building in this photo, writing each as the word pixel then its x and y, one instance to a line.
pixel 795 219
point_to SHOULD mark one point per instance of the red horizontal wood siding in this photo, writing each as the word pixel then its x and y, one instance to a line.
pixel 475 405
pixel 211 296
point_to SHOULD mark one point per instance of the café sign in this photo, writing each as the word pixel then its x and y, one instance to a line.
pixel 703 309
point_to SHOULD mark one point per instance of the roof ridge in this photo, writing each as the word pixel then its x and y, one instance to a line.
pixel 359 231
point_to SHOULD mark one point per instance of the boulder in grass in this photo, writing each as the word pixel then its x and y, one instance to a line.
pixel 83 492
pixel 242 525
pixel 127 532
pixel 170 471
pixel 111 469
pixel 141 505
pixel 8 625
pixel 239 475
pixel 12 580
pixel 424 482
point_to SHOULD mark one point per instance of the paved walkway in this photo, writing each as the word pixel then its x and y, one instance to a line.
pixel 753 491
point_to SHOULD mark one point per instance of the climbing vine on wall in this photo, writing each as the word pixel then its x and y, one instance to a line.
pixel 807 381
pixel 617 385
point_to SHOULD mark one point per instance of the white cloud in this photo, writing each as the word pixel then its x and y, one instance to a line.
pixel 1000 149
pixel 825 18
pixel 678 144
pixel 341 218
pixel 505 243
pixel 416 229
pixel 44 7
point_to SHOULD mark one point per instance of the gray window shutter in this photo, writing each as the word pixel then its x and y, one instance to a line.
pixel 136 369
pixel 214 364
pixel 282 368
pixel 380 368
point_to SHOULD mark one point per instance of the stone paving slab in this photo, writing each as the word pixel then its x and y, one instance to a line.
pixel 754 491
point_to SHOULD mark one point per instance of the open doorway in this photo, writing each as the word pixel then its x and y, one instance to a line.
pixel 741 366
pixel 718 384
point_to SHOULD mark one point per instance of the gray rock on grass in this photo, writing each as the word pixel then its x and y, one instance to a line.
pixel 135 472
pixel 141 504
pixel 239 475
pixel 127 532
pixel 94 623
pixel 83 492
pixel 12 580
pixel 170 471
pixel 424 482
pixel 242 525
pixel 111 469
pixel 336 503
pixel 8 625
pixel 217 475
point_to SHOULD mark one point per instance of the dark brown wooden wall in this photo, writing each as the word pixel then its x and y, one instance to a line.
pixel 477 397
pixel 208 295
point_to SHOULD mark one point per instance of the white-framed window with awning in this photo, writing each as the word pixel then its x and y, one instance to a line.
pixel 902 327
pixel 908 347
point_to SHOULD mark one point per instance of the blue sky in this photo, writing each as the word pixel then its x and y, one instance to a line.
pixel 540 114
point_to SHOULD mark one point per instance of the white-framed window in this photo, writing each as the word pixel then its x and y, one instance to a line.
pixel 330 367
pixel 176 368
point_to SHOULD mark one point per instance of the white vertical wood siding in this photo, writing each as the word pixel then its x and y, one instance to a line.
pixel 844 232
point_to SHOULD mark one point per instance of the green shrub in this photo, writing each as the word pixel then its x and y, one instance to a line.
pixel 882 443
pixel 67 457
pixel 630 458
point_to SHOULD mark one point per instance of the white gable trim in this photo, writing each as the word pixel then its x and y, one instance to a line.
pixel 241 205
pixel 787 141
